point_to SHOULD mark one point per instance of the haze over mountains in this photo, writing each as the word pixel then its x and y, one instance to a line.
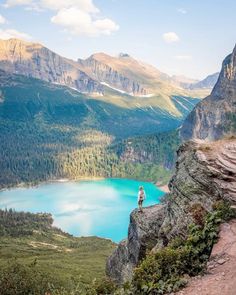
pixel 188 83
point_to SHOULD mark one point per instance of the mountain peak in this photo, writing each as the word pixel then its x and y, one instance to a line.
pixel 16 41
pixel 100 56
pixel 15 49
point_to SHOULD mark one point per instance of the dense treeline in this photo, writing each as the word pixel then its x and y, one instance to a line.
pixel 17 224
pixel 49 132
pixel 148 158
pixel 159 148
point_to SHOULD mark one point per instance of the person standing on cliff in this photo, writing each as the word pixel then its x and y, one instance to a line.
pixel 141 198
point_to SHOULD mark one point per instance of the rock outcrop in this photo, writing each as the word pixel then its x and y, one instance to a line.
pixel 215 115
pixel 142 236
pixel 204 174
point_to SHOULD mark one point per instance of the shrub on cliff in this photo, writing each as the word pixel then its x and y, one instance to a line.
pixel 164 271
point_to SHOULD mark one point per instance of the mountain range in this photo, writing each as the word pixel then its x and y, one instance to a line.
pixel 91 75
pixel 65 118
pixel 121 80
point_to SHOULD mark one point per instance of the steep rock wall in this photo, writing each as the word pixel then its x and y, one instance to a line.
pixel 204 174
pixel 215 115
pixel 34 60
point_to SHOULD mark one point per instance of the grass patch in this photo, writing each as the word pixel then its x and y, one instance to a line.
pixel 60 259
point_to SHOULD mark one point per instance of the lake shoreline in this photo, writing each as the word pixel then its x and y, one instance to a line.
pixel 58 180
pixel 84 208
pixel 162 187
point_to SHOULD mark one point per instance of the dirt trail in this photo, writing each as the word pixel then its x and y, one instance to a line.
pixel 221 272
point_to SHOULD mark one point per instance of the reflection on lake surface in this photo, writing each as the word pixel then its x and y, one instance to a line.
pixel 84 208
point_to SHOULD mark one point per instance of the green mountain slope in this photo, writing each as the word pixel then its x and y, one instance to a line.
pixel 30 243
pixel 31 100
pixel 49 131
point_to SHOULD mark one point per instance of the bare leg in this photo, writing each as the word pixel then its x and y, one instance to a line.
pixel 140 206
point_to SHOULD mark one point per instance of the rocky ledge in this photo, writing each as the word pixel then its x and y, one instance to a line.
pixel 204 174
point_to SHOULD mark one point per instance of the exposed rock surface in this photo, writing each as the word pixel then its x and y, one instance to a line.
pixel 98 75
pixel 221 272
pixel 204 174
pixel 142 236
pixel 113 71
pixel 35 60
pixel 215 116
pixel 134 77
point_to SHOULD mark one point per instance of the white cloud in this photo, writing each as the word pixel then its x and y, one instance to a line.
pixel 183 57
pixel 2 20
pixel 170 37
pixel 11 3
pixel 78 22
pixel 77 17
pixel 182 10
pixel 11 33
pixel 84 5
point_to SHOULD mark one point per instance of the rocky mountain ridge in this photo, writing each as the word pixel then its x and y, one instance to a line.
pixel 125 73
pixel 37 61
pixel 99 65
pixel 205 173
pixel 122 74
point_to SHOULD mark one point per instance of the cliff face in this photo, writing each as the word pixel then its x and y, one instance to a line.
pixel 142 235
pixel 204 174
pixel 215 116
pixel 110 71
pixel 34 60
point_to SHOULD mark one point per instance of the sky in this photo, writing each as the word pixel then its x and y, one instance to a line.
pixel 179 37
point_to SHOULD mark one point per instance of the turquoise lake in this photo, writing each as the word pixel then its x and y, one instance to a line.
pixel 84 208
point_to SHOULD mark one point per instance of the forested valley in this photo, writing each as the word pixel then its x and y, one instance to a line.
pixel 49 132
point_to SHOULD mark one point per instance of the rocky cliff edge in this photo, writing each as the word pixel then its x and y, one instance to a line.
pixel 205 173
